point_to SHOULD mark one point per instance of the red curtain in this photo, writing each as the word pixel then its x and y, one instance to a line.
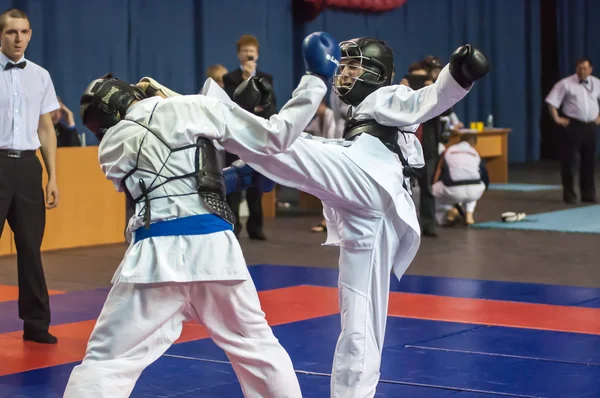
pixel 309 9
pixel 365 5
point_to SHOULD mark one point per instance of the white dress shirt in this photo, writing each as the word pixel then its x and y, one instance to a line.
pixel 25 95
pixel 578 100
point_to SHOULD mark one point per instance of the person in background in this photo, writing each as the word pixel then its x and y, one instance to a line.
pixel 428 134
pixel 461 179
pixel 577 96
pixel 64 125
pixel 449 119
pixel 28 98
pixel 247 51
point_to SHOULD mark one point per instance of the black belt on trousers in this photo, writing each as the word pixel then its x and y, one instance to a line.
pixel 16 154
pixel 577 121
pixel 450 183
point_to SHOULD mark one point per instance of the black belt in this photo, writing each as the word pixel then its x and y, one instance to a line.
pixel 450 183
pixel 577 121
pixel 16 154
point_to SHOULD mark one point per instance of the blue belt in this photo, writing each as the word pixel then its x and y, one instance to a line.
pixel 201 224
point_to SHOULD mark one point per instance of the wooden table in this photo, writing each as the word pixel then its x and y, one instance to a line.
pixel 492 145
pixel 91 212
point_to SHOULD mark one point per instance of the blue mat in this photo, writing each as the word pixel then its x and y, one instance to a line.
pixel 581 219
pixel 522 187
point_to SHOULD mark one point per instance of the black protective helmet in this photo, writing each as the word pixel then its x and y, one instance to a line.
pixel 373 62
pixel 105 102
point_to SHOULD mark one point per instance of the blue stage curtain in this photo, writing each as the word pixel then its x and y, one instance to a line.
pixel 578 31
pixel 578 35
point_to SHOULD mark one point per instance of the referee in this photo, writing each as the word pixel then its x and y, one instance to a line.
pixel 27 98
pixel 577 96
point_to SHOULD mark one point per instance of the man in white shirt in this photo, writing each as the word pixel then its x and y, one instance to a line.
pixel 577 97
pixel 27 100
pixel 461 181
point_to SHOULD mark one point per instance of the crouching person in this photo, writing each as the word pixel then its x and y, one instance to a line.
pixel 461 180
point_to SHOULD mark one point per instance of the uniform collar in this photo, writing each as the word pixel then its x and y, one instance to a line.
pixel 139 104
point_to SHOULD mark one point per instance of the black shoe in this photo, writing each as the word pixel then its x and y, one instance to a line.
pixel 237 229
pixel 589 200
pixel 429 230
pixel 257 236
pixel 42 337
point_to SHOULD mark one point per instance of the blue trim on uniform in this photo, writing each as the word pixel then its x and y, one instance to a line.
pixel 202 224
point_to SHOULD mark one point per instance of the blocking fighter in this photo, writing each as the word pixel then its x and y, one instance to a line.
pixel 184 261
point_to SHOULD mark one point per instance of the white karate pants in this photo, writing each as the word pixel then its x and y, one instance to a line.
pixel 446 197
pixel 139 322
pixel 364 287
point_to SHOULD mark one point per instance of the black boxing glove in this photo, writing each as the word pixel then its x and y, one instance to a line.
pixel 266 101
pixel 254 92
pixel 468 64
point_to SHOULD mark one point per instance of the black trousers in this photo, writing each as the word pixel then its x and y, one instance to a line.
pixel 22 204
pixel 579 151
pixel 427 200
pixel 254 224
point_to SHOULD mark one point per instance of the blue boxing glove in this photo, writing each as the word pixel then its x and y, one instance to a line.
pixel 239 176
pixel 321 54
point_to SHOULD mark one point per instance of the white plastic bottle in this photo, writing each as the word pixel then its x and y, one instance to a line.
pixel 490 121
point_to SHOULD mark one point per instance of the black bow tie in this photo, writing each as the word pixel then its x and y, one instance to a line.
pixel 19 65
pixel 583 82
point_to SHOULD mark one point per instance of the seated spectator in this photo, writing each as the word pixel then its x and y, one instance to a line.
pixel 64 125
pixel 461 179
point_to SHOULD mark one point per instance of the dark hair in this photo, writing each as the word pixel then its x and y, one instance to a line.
pixel 582 60
pixel 12 13
pixel 432 62
pixel 417 66
pixel 247 40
